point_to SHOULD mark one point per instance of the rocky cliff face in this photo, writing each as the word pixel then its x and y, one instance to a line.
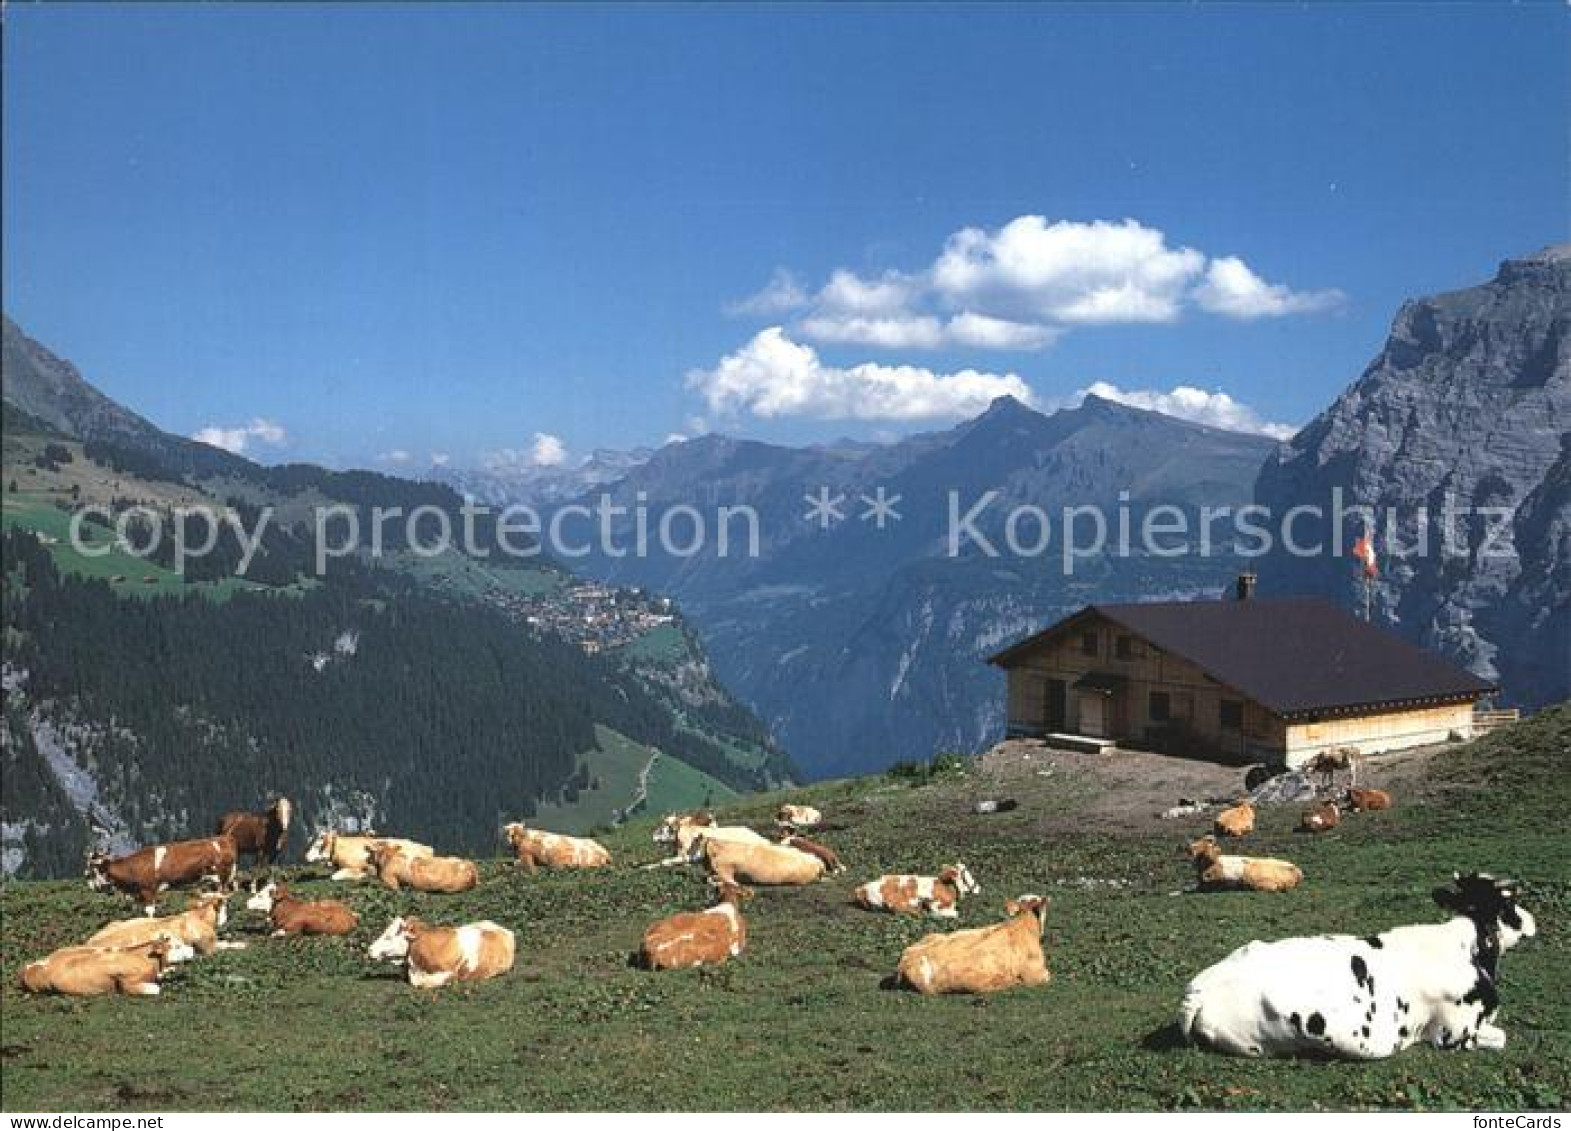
pixel 1455 435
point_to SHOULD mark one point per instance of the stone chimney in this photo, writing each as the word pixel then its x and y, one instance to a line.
pixel 1244 587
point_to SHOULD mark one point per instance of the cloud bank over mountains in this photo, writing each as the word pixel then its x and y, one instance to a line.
pixel 1019 288
pixel 1023 285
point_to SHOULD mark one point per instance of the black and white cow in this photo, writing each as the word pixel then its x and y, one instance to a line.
pixel 1365 998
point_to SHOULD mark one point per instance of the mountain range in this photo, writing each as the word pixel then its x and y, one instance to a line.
pixel 435 695
pixel 858 631
pixel 1466 407
pixel 862 644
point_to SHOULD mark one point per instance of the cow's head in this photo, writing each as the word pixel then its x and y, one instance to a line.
pixel 514 833
pixel 264 899
pixel 666 830
pixel 170 949
pixel 381 854
pixel 321 848
pixel 214 903
pixel 98 871
pixel 1035 905
pixel 734 894
pixel 283 811
pixel 393 944
pixel 1491 904
pixel 959 875
pixel 1204 850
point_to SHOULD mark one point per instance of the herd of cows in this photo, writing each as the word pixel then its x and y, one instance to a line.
pixel 1339 995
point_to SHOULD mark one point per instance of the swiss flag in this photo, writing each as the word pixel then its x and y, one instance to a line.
pixel 1364 551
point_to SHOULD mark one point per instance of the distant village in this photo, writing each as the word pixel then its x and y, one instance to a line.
pixel 596 617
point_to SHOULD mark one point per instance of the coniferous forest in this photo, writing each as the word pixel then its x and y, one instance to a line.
pixel 443 721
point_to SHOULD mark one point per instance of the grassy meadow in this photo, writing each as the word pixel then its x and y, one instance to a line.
pixel 800 1021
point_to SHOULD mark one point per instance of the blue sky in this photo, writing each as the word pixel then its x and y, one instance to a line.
pixel 450 229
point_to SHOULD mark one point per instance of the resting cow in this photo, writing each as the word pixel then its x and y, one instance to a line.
pixel 536 848
pixel 936 896
pixel 350 856
pixel 984 959
pixel 1320 818
pixel 684 830
pixel 263 835
pixel 774 865
pixel 798 817
pixel 87 971
pixel 698 938
pixel 1368 800
pixel 1249 873
pixel 148 871
pixel 444 874
pixel 197 926
pixel 291 916
pixel 436 956
pixel 1366 998
pixel 1237 821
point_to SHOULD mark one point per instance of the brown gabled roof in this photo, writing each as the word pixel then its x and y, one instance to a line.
pixel 1294 656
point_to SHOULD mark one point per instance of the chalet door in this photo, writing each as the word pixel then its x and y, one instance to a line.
pixel 1093 714
pixel 1057 702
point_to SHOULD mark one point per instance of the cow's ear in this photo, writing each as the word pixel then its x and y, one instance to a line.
pixel 1011 907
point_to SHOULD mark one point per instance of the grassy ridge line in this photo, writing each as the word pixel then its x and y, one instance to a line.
pixel 800 1021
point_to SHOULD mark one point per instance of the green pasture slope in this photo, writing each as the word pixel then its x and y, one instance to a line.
pixel 800 1021
pixel 615 765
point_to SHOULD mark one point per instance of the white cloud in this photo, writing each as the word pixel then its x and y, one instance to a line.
pixel 923 332
pixel 774 376
pixel 238 440
pixel 1020 286
pixel 850 295
pixel 1189 403
pixel 548 451
pixel 1067 272
pixel 1231 289
pixel 781 295
pixel 441 459
pixel 971 329
pixel 398 457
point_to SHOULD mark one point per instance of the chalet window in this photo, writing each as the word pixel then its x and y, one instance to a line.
pixel 1088 643
pixel 1161 707
pixel 1124 648
pixel 1231 714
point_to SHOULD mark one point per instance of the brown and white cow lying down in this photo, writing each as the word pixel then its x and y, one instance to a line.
pixel 831 859
pixel 291 916
pixel 683 831
pixel 350 856
pixel 261 835
pixel 774 865
pixel 1320 818
pixel 698 938
pixel 937 896
pixel 148 871
pixel 197 926
pixel 798 817
pixel 984 959
pixel 436 956
pixel 89 971
pixel 536 848
pixel 1249 873
pixel 1237 821
pixel 1368 800
pixel 444 874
